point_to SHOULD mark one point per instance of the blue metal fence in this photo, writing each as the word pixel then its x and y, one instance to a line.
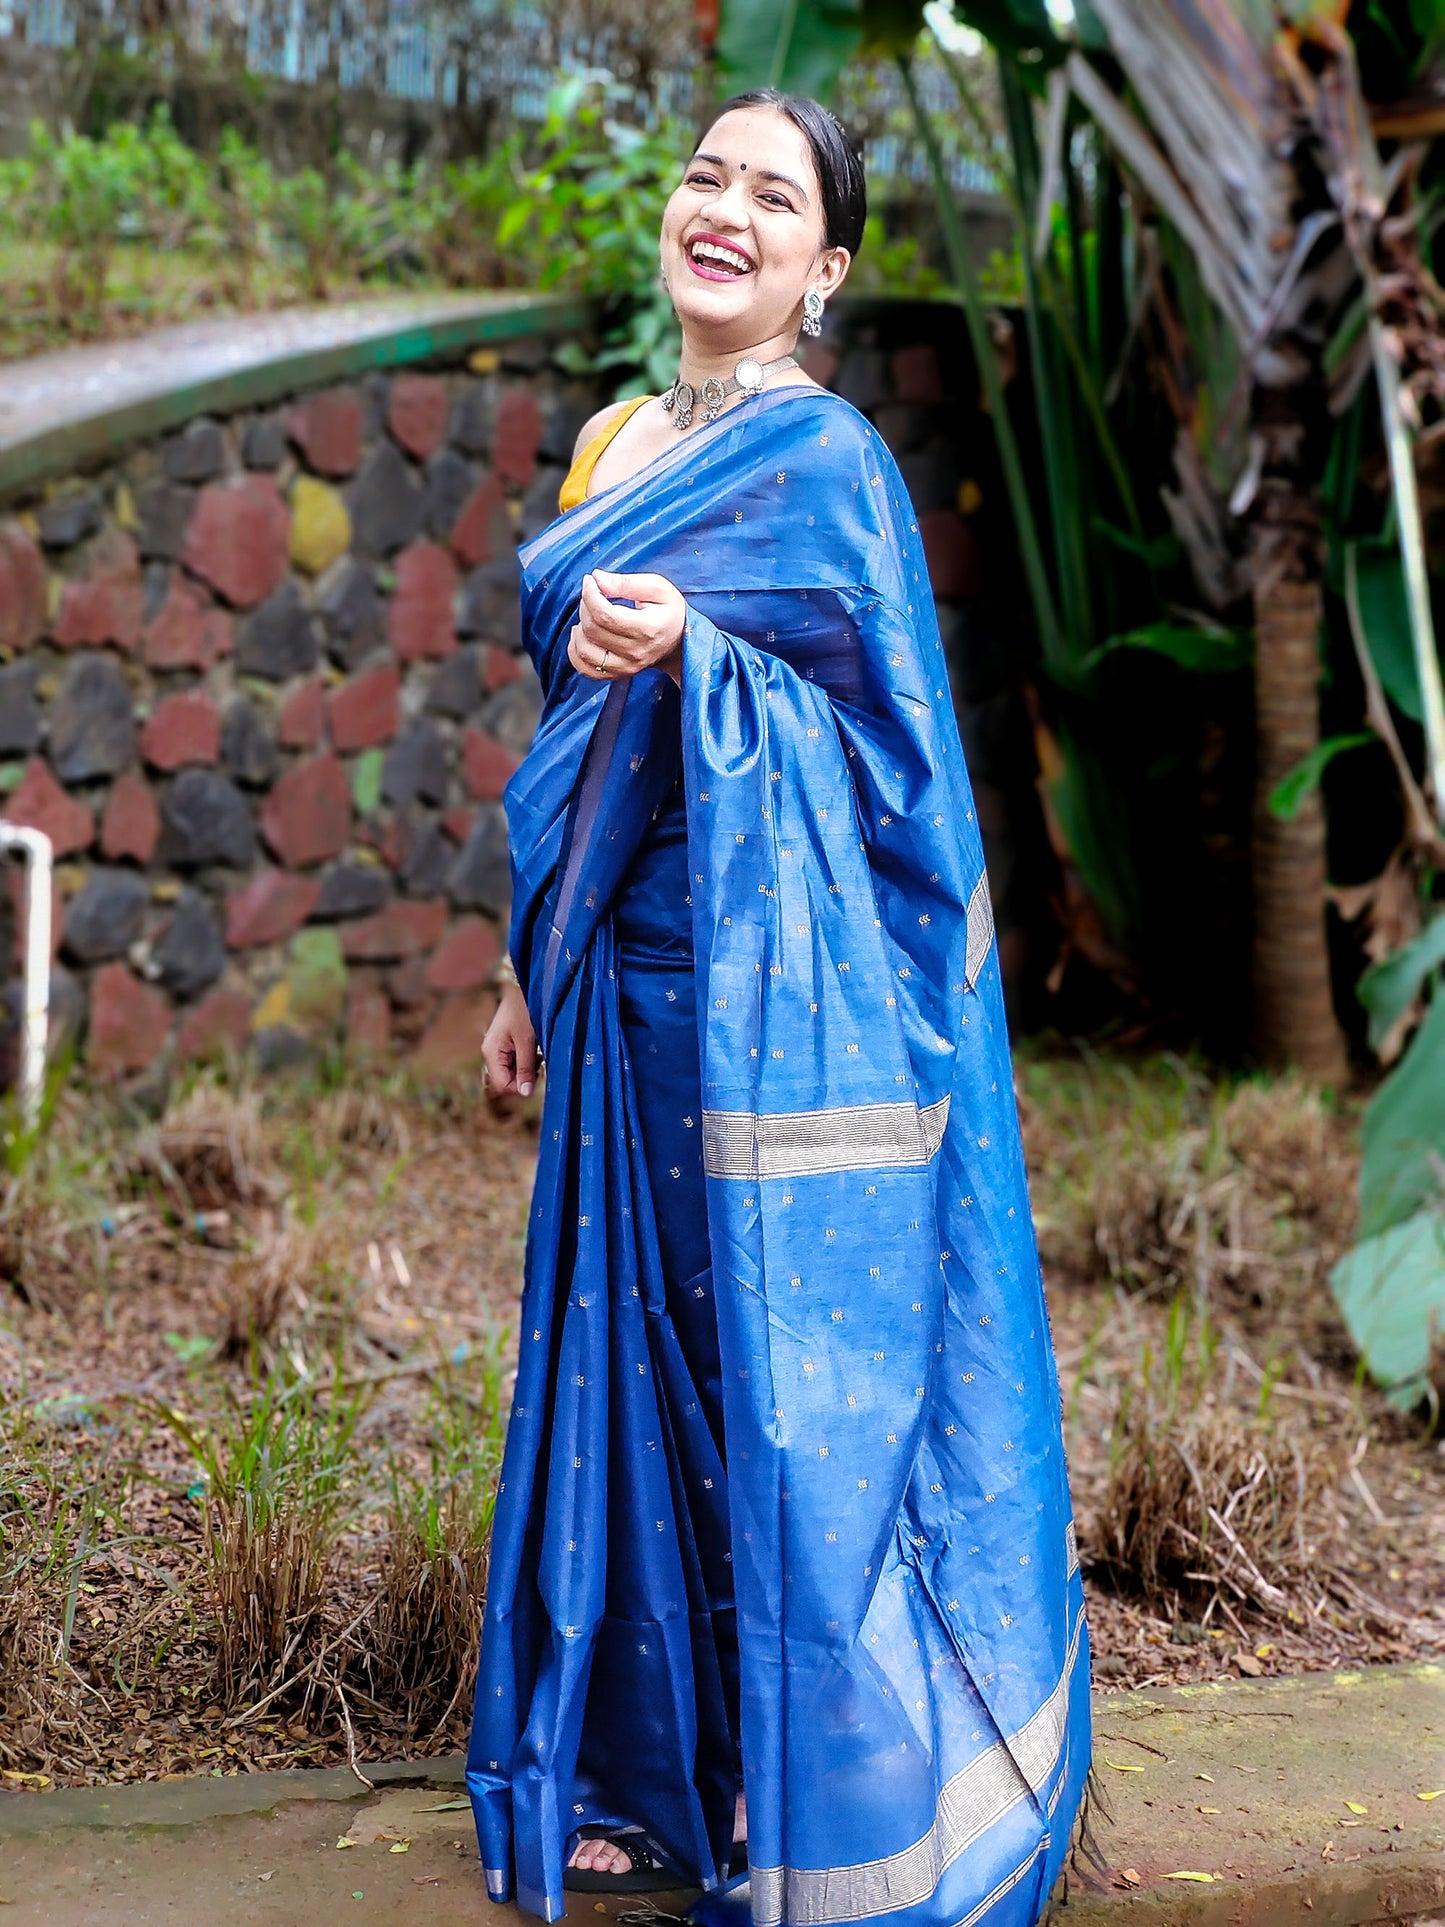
pixel 470 49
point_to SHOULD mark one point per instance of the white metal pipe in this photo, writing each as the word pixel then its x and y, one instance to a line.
pixel 39 857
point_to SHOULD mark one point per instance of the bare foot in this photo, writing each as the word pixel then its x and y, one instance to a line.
pixel 600 1856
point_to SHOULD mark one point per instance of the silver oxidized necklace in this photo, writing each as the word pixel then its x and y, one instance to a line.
pixel 746 379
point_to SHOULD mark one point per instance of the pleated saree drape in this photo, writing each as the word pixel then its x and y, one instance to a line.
pixel 784 1490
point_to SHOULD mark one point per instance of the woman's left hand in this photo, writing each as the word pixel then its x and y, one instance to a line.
pixel 608 641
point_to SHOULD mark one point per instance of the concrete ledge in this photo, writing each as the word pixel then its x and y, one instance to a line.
pixel 190 1802
pixel 1278 1760
pixel 1247 1782
pixel 66 411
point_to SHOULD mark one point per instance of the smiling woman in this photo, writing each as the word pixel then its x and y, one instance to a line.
pixel 784 1511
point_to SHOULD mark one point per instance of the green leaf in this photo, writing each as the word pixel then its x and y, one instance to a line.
pixel 1388 989
pixel 1159 551
pixel 1013 26
pixel 1206 651
pixel 799 45
pixel 1385 619
pixel 1391 1292
pixel 1402 1143
pixel 1287 798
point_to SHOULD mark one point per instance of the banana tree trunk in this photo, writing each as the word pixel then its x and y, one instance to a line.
pixel 1294 1018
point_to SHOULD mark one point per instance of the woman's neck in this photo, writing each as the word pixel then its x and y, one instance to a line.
pixel 701 357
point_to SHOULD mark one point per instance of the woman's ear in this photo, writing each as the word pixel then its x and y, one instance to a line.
pixel 832 270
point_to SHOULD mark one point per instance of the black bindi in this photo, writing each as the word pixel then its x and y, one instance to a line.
pixel 742 167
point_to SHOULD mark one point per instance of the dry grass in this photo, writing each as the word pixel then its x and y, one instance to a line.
pixel 251 1397
pixel 1239 1491
pixel 1205 1500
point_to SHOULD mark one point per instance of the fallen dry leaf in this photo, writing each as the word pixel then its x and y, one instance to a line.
pixel 426 1880
pixel 1210 1809
pixel 1355 1807
pixel 1121 1766
pixel 1205 1776
pixel 1439 1791
pixel 1207 1878
pixel 345 1841
pixel 1248 1665
pixel 399 1846
pixel 1130 1877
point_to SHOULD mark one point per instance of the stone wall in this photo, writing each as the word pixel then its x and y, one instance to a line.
pixel 261 683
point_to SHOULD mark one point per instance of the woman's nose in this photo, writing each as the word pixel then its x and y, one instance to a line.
pixel 728 205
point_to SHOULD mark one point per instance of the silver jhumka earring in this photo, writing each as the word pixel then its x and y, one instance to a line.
pixel 812 312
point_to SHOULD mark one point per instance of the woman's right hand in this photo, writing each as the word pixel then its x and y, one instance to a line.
pixel 509 1049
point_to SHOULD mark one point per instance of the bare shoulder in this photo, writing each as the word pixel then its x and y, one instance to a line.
pixel 595 424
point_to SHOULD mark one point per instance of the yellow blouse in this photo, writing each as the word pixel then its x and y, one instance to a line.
pixel 574 489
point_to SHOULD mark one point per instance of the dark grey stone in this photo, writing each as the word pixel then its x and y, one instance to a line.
pixel 149 1092
pixel 481 877
pixel 561 429
pixel 386 503
pixel 489 604
pixel 67 1010
pixel 539 505
pixel 198 453
pixel 415 770
pixel 70 519
pixel 456 685
pixel 930 475
pixel 277 641
pixel 526 355
pixel 279 1048
pixel 19 717
pixel 471 422
pixel 206 820
pixel 263 446
pixel 92 732
pixel 352 617
pixel 862 378
pixel 375 395
pixel 449 481
pixel 904 425
pixel 66 1021
pixel 351 890
pixel 248 749
pixel 191 952
pixel 156 587
pixel 428 861
pixel 511 715
pixel 164 509
pixel 104 918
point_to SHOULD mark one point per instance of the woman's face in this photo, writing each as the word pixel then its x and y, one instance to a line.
pixel 742 236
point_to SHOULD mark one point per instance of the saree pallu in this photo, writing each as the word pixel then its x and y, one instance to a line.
pixel 808 1498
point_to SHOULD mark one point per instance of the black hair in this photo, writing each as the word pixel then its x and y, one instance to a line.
pixel 836 160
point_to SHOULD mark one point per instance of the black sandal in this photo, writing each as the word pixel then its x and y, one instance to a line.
pixel 648 1874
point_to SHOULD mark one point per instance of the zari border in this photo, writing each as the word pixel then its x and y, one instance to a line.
pixel 971 1802
pixel 979 927
pixel 798 1144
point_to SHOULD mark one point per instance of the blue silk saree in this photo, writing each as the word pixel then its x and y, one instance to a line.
pixel 784 1496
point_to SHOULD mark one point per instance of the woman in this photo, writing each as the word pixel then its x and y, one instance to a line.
pixel 784 1509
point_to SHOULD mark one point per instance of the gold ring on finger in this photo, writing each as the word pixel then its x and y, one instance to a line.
pixel 606 658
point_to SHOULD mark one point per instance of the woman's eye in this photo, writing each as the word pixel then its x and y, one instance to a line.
pixel 777 200
pixel 701 180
